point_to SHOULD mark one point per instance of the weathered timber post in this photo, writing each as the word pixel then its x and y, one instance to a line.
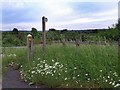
pixel 44 19
pixel 119 56
pixel 77 42
pixel 30 46
pixel 105 40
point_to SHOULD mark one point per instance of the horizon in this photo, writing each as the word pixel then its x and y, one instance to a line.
pixel 61 15
pixel 56 30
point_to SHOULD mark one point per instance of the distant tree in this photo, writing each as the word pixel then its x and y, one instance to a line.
pixel 52 29
pixel 64 30
pixel 15 31
pixel 34 32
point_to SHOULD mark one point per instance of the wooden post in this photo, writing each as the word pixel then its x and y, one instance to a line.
pixel 44 19
pixel 77 42
pixel 30 46
pixel 118 57
pixel 105 40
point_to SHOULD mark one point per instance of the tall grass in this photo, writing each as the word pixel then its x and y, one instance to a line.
pixel 16 56
pixel 68 66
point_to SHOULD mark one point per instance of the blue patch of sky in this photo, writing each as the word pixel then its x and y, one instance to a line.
pixel 93 7
pixel 85 7
pixel 27 14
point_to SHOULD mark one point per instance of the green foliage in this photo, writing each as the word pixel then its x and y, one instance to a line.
pixel 15 31
pixel 68 66
pixel 19 39
pixel 34 32
pixel 13 57
pixel 9 39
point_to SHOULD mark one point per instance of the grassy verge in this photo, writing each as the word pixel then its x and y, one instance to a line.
pixel 13 57
pixel 69 66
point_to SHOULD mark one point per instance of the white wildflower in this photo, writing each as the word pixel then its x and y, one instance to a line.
pixel 73 77
pixel 33 72
pixel 115 74
pixel 44 60
pixel 75 67
pixel 61 66
pixel 76 81
pixel 86 74
pixel 54 71
pixel 117 85
pixel 21 66
pixel 106 80
pixel 110 82
pixel 100 70
pixel 78 75
pixel 66 84
pixel 59 74
pixel 29 71
pixel 36 73
pixel 88 79
pixel 50 66
pixel 113 83
pixel 14 55
pixel 103 77
pixel 42 73
pixel 56 63
pixel 108 76
pixel 53 66
pixel 53 60
pixel 65 70
pixel 52 74
pixel 31 75
pixel 65 78
pixel 38 58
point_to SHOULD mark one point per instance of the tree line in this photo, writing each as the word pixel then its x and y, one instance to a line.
pixel 18 38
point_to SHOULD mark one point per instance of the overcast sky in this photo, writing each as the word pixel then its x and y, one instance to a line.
pixel 61 14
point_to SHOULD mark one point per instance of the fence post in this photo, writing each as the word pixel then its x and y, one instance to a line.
pixel 30 46
pixel 44 19
pixel 118 56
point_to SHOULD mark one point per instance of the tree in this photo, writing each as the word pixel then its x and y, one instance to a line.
pixel 34 32
pixel 52 29
pixel 15 31
pixel 64 30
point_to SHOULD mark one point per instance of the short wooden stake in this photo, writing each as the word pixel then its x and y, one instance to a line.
pixel 30 46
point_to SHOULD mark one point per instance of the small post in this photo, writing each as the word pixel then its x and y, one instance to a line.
pixel 44 19
pixel 30 46
pixel 77 42
pixel 105 40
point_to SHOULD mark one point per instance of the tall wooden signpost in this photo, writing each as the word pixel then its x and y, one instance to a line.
pixel 44 19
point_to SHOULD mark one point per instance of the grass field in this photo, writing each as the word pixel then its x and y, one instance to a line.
pixel 91 66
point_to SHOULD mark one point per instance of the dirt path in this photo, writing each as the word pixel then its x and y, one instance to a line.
pixel 11 79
